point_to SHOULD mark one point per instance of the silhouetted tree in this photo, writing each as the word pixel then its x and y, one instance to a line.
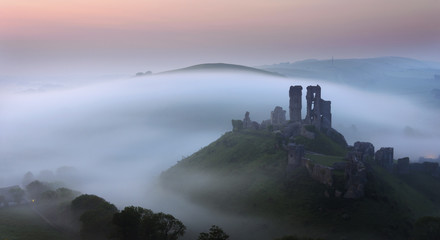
pixel 36 188
pixel 167 227
pixel 136 223
pixel 215 233
pixel 96 216
pixel 128 222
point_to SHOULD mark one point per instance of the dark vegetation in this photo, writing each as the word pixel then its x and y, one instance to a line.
pixel 134 223
pixel 44 213
pixel 245 172
pixel 215 233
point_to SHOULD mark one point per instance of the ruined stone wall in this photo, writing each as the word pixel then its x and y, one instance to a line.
pixel 384 157
pixel 326 114
pixel 318 110
pixel 313 97
pixel 278 116
pixel 366 150
pixel 295 155
pixel 295 103
pixel 248 124
pixel 356 177
pixel 320 173
pixel 402 165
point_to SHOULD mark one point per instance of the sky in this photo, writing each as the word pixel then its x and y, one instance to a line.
pixel 109 37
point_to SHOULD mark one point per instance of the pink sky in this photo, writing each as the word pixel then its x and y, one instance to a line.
pixel 134 35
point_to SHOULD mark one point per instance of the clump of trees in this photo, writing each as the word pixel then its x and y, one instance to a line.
pixel 215 233
pixel 95 215
pixel 102 220
pixel 136 223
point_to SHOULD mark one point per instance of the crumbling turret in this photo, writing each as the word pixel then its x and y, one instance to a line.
pixel 384 157
pixel 365 150
pixel 318 110
pixel 278 116
pixel 295 103
pixel 248 124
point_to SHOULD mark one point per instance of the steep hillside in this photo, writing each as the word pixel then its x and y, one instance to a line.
pixel 245 173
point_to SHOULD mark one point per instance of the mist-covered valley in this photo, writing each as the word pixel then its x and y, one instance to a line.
pixel 114 138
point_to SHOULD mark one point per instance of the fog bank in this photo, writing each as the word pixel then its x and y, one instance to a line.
pixel 119 136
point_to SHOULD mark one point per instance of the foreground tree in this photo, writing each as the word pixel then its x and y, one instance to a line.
pixel 166 226
pixel 215 233
pixel 136 223
pixel 128 222
pixel 95 215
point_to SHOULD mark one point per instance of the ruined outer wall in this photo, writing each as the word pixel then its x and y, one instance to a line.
pixel 319 172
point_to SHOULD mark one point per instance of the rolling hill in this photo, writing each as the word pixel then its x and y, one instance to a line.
pixel 222 67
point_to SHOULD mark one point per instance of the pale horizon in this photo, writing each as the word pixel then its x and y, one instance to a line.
pixel 108 37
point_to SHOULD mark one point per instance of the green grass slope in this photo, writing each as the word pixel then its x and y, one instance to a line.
pixel 245 173
pixel 22 222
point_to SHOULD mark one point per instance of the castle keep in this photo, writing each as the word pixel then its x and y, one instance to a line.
pixel 318 110
pixel 318 114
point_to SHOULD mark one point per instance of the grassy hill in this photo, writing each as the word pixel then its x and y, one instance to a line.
pixel 245 173
pixel 223 67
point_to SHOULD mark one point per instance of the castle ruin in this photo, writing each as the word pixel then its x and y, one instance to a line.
pixel 358 157
pixel 278 116
pixel 295 103
pixel 318 109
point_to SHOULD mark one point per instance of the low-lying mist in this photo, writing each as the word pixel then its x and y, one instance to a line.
pixel 116 138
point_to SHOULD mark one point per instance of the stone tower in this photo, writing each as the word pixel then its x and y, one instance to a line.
pixel 326 114
pixel 278 116
pixel 318 110
pixel 313 97
pixel 295 104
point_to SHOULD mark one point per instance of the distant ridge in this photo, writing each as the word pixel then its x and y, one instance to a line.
pixel 222 67
pixel 364 72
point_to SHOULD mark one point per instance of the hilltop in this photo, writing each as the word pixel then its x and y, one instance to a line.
pixel 303 176
pixel 215 68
